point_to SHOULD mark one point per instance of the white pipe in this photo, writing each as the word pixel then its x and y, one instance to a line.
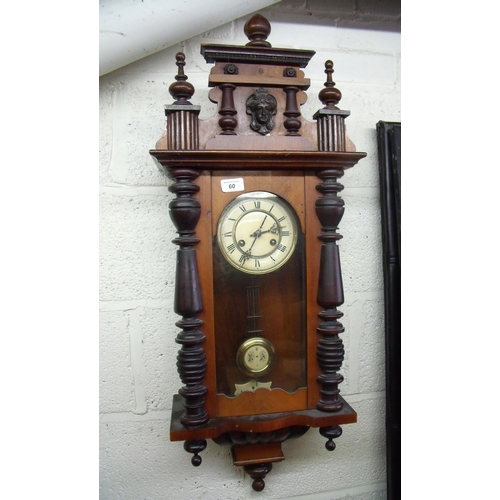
pixel 132 29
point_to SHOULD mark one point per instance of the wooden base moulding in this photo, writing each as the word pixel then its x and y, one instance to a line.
pixel 270 422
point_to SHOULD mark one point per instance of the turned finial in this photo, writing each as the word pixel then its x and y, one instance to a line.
pixel 257 29
pixel 181 90
pixel 330 95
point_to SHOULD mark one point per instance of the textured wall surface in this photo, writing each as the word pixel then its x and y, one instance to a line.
pixel 138 376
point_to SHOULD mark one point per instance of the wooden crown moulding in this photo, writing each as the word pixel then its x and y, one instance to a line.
pixel 276 160
pixel 258 133
pixel 235 54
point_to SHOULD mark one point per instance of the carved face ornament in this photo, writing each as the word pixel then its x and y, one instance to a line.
pixel 262 106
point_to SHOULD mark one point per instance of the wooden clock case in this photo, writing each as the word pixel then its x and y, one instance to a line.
pixel 293 158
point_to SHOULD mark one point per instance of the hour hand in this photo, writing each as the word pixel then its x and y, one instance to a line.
pixel 273 229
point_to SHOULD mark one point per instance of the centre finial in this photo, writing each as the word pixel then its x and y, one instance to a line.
pixel 257 29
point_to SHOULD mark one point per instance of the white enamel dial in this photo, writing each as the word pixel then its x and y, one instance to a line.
pixel 256 358
pixel 257 232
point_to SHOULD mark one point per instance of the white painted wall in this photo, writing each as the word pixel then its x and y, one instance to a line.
pixel 137 350
pixel 130 30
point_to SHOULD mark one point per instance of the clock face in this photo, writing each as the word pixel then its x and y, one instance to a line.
pixel 255 356
pixel 257 232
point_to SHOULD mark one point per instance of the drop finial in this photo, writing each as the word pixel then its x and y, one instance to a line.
pixel 330 95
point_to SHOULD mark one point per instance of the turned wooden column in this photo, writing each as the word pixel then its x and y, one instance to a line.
pixel 330 349
pixel 227 121
pixel 191 360
pixel 292 112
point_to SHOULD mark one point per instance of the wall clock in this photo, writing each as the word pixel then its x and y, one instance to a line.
pixel 258 278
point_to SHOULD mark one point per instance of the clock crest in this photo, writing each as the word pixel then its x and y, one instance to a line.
pixel 258 278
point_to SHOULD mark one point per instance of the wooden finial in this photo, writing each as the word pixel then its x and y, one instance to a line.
pixel 181 90
pixel 330 96
pixel 257 29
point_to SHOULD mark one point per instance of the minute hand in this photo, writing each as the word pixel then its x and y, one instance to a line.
pixel 255 235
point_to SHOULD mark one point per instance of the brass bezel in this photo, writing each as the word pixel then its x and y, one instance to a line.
pixel 248 344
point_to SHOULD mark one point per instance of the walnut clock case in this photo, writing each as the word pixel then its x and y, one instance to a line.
pixel 258 277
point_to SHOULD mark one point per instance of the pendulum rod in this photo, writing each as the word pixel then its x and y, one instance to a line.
pixel 254 315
